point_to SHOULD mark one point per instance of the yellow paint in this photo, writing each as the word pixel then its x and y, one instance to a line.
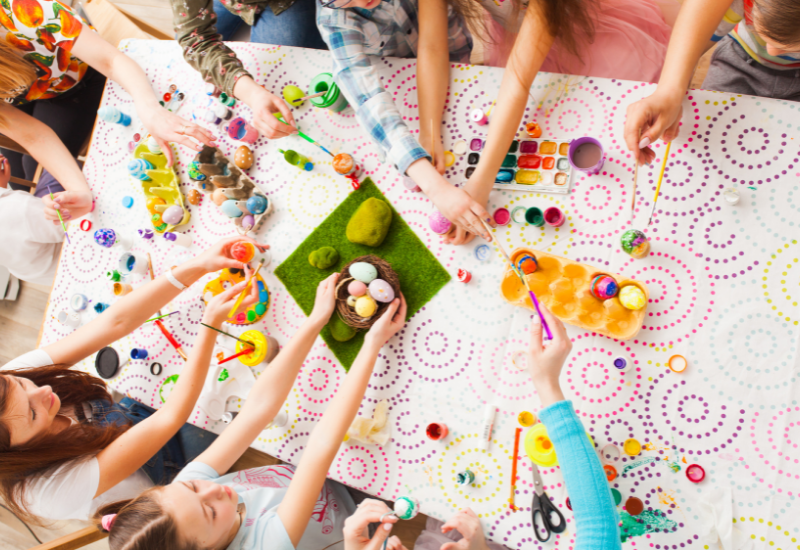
pixel 528 177
pixel 563 149
pixel 632 447
pixel 261 345
pixel 526 419
pixel 548 148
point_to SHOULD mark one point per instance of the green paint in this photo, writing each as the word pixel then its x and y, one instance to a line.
pixel 223 375
pixel 675 466
pixel 649 521
pixel 170 381
pixel 637 464
pixel 420 273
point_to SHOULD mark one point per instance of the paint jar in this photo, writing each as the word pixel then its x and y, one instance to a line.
pixel 554 217
pixel 436 431
pixel 69 318
pixel 100 307
pixel 695 473
pixel 731 195
pixel 635 244
pixel 610 472
pixel 610 453
pixel 622 363
pixel 240 130
pixel 146 234
pixel 411 185
pixel 460 147
pixel 464 276
pixel 634 506
pixel 502 216
pixel 479 117
pixel 280 420
pixel 296 159
pixel 227 417
pixel 518 215
pixel 121 289
pixel 483 253
pixel 526 419
pixel 534 216
pixel 465 478
pixel 78 302
pixel 586 155
pixel 617 496
pixel 138 353
pixel 130 262
pixel 677 363
pixel 632 447
pixel 334 99
pixel 520 360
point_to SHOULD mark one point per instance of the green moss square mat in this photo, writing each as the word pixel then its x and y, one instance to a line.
pixel 421 275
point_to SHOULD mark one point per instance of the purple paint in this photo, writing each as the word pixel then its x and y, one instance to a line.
pixel 528 147
pixel 476 144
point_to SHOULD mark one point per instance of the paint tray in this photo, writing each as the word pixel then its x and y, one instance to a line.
pixel 563 286
pixel 164 184
pixel 531 165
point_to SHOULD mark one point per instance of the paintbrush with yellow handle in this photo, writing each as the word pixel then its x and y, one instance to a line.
pixel 246 289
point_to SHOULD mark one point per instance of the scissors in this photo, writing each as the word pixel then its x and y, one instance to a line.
pixel 544 508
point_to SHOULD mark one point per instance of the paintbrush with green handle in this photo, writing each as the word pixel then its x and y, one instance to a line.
pixel 64 227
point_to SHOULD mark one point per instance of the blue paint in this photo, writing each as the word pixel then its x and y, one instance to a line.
pixel 504 176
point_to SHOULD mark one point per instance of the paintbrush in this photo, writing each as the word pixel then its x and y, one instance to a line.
pixel 302 135
pixel 227 334
pixel 511 503
pixel 524 280
pixel 246 288
pixel 235 355
pixel 312 96
pixel 161 316
pixel 635 178
pixel 173 342
pixel 64 227
pixel 658 185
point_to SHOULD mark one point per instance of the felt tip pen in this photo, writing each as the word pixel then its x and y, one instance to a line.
pixel 489 414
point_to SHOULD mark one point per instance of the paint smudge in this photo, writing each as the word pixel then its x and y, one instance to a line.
pixel 726 456
pixel 638 464
pixel 650 446
pixel 649 521
pixel 673 464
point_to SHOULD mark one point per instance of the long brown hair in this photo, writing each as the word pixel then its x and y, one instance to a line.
pixel 142 524
pixel 20 464
pixel 15 72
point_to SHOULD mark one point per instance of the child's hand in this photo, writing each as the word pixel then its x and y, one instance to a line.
pixel 657 116
pixel 392 320
pixel 468 524
pixel 355 527
pixel 433 145
pixel 167 127
pixel 325 301
pixel 5 172
pixel 219 255
pixel 264 105
pixel 219 306
pixel 71 204
pixel 462 209
pixel 545 362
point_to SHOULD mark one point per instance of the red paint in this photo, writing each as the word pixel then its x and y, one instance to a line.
pixel 554 217
pixel 436 431
pixel 502 216
pixel 529 161
pixel 548 163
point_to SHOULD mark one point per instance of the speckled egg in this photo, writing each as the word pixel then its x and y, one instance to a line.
pixel 364 272
pixel 351 301
pixel 193 196
pixel 248 221
pixel 257 204
pixel 230 209
pixel 366 306
pixel 381 291
pixel 153 146
pixel 243 157
pixel 172 215
pixel 356 288
pixel 218 197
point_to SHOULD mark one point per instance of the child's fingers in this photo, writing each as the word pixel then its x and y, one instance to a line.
pixel 401 312
pixel 381 534
pixel 535 347
pixel 166 149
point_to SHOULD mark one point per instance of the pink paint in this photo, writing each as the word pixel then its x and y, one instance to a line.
pixel 554 217
pixel 695 473
pixel 502 216
pixel 528 147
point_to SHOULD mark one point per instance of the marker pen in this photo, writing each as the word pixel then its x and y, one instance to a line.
pixel 488 425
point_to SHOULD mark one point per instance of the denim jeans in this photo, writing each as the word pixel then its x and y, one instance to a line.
pixel 296 26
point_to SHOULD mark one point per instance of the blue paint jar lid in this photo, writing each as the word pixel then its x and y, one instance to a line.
pixel 127 202
pixel 483 253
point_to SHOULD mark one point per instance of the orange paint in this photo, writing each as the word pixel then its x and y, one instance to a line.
pixel 343 164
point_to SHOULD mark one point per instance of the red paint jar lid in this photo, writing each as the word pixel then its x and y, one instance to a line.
pixel 695 473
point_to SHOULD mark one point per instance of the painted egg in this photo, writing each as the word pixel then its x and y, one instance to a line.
pixel 292 94
pixel 356 288
pixel 364 272
pixel 194 171
pixel 138 169
pixel 230 209
pixel 381 291
pixel 366 306
pixel 248 221
pixel 351 301
pixel 257 204
pixel 632 297
pixel 153 202
pixel 193 197
pixel 603 287
pixel 438 223
pixel 105 237
pixel 172 215
pixel 153 146
pixel 243 157
pixel 218 196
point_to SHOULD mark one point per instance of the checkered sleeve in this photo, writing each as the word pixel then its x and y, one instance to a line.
pixel 732 17
pixel 356 75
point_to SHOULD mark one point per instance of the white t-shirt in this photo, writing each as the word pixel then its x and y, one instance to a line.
pixel 262 490
pixel 31 245
pixel 68 492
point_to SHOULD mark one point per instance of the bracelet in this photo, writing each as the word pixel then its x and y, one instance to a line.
pixel 175 282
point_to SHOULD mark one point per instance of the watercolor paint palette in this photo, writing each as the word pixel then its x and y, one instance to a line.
pixel 539 165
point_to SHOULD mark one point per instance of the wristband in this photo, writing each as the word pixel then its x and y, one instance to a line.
pixel 175 282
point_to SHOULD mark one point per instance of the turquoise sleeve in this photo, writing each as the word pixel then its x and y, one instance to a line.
pixel 596 517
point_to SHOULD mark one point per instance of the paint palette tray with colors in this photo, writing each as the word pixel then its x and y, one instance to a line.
pixel 566 288
pixel 540 165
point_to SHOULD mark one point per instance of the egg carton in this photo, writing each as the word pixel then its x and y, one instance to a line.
pixel 563 286
pixel 222 174
pixel 163 184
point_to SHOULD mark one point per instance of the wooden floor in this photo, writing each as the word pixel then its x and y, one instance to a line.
pixel 21 320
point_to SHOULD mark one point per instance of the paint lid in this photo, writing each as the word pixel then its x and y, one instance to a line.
pixel 695 473
pixel 610 471
pixel 632 447
pixel 127 201
pixel 526 419
pixel 634 506
pixel 622 363
pixel 617 496
pixel 483 253
pixel 677 363
pixel 460 147
pixel 107 362
pixel 78 302
pixel 610 453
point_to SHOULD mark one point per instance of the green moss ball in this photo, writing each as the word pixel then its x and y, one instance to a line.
pixel 370 223
pixel 341 331
pixel 324 257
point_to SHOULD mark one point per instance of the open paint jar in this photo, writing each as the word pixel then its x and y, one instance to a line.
pixel 436 431
pixel 695 473
pixel 610 453
pixel 586 155
pixel 333 99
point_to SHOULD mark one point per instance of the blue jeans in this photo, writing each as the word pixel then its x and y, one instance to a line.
pixel 296 26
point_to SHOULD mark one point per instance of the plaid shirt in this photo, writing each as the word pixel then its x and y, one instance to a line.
pixel 357 39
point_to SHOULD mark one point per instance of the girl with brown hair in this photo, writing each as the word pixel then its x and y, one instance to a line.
pixel 65 446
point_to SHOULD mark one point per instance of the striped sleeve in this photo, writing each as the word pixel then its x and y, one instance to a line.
pixel 729 21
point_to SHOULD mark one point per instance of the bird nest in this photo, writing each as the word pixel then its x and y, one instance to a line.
pixel 347 313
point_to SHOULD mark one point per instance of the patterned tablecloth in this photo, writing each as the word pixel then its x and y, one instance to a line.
pixel 723 281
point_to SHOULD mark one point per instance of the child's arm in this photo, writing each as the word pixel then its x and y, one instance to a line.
pixel 433 72
pixel 301 497
pixel 162 124
pixel 272 387
pixel 132 449
pixel 659 115
pixel 132 310
pixel 530 49
pixel 596 518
